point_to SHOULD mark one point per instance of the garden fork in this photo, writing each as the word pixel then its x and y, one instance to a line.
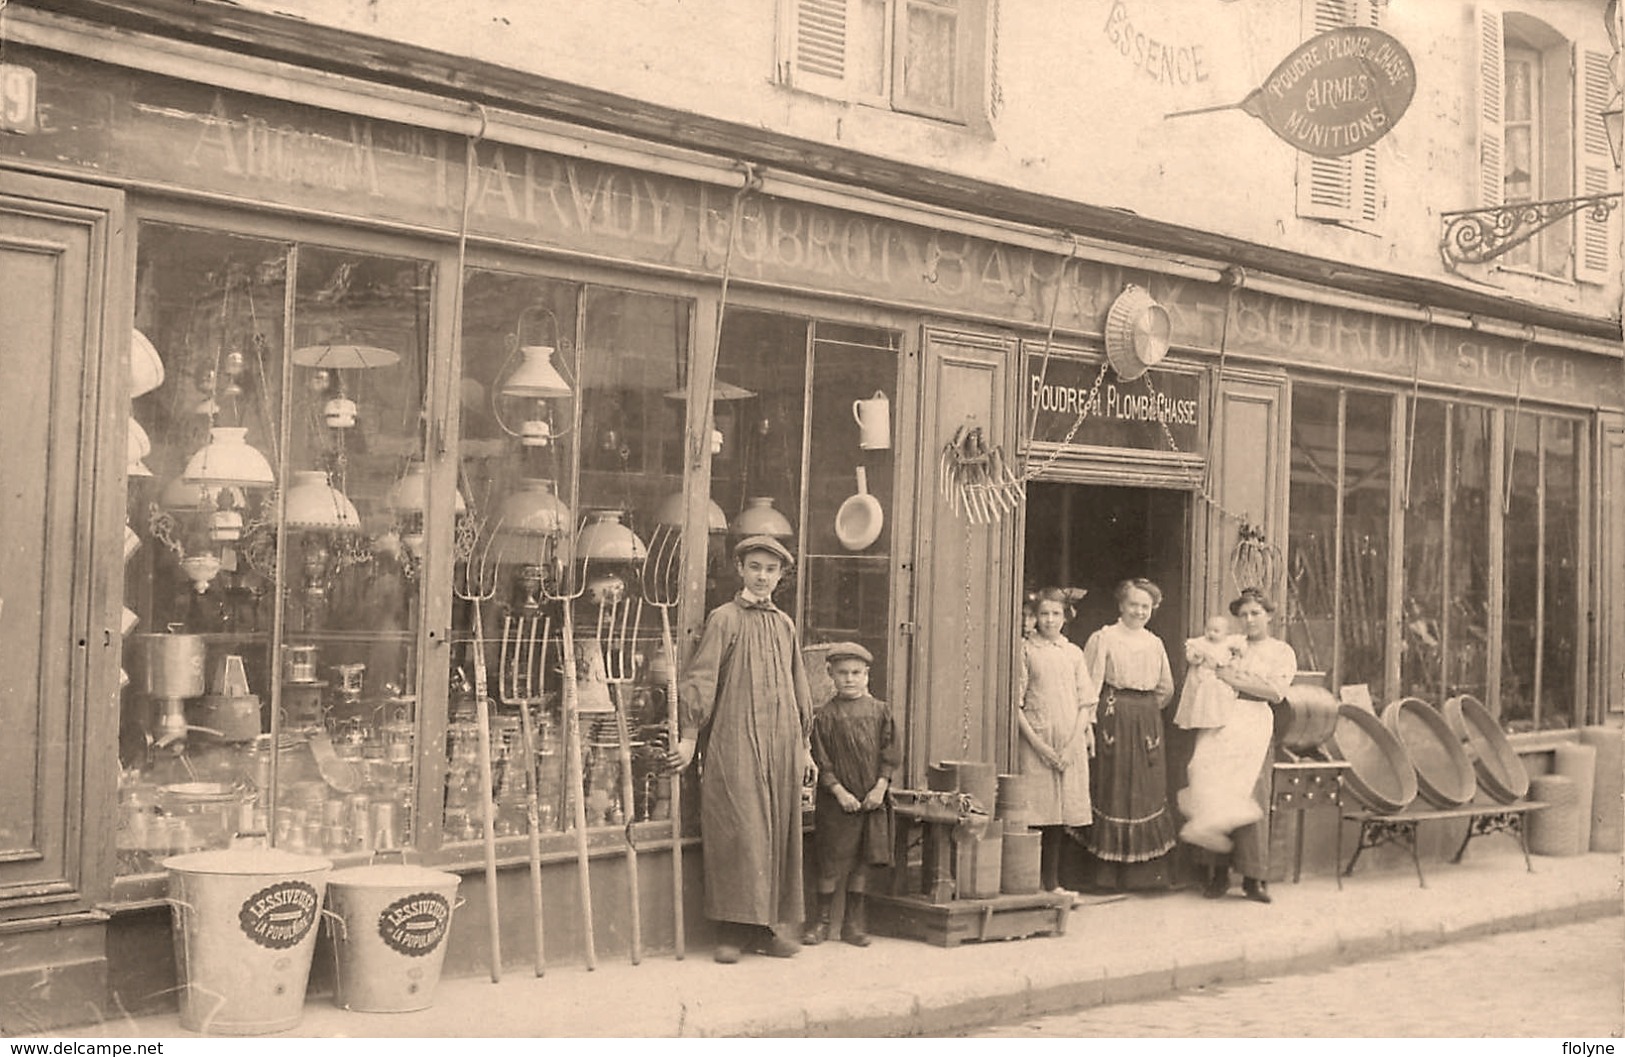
pixel 523 677
pixel 662 567
pixel 478 586
pixel 564 588
pixel 614 614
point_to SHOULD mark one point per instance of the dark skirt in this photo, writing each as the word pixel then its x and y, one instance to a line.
pixel 1129 780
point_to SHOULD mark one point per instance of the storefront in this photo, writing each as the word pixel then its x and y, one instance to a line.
pixel 414 384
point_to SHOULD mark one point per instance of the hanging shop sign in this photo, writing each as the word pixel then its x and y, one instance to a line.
pixel 1161 410
pixel 1337 93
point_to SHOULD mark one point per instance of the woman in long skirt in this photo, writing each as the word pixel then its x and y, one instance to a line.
pixel 1133 829
pixel 1234 760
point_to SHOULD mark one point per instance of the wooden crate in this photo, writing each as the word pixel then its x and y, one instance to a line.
pixel 957 921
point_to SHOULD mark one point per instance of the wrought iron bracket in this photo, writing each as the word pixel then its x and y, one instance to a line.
pixel 1473 236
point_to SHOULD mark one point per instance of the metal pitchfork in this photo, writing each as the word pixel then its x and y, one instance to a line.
pixel 523 678
pixel 479 585
pixel 662 567
pixel 614 614
pixel 564 588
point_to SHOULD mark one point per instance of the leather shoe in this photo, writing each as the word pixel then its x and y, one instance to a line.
pixel 1218 883
pixel 773 945
pixel 727 953
pixel 815 934
pixel 1256 890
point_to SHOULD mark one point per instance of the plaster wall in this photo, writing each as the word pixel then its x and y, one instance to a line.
pixel 1077 107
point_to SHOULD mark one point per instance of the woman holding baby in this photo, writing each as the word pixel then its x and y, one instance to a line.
pixel 1231 686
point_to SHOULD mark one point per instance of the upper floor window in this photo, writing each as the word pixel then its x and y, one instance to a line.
pixel 923 57
pixel 1541 137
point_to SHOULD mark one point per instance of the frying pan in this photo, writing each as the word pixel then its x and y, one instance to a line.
pixel 859 520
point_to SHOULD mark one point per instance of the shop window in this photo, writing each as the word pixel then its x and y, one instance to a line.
pixel 271 596
pixel 1541 137
pixel 804 409
pixel 1444 637
pixel 1338 545
pixel 925 57
pixel 1541 610
pixel 1342 189
pixel 571 451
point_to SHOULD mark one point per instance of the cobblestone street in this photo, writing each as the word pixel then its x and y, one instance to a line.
pixel 1564 982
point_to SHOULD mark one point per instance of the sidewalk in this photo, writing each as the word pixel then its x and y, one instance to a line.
pixel 1132 948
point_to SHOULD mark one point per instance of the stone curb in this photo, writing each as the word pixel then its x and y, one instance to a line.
pixel 897 1012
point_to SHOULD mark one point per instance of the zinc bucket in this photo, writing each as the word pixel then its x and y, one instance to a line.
pixel 244 923
pixel 389 926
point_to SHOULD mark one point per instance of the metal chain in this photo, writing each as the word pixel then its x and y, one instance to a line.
pixel 1083 413
pixel 965 653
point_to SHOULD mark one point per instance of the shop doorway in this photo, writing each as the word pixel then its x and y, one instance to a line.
pixel 1094 536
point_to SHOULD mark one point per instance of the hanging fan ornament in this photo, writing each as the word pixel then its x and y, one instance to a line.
pixel 976 480
pixel 1137 332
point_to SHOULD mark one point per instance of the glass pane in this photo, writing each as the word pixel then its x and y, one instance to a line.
pixel 930 55
pixel 201 546
pixel 360 351
pixel 756 477
pixel 866 34
pixel 1561 626
pixel 633 350
pixel 1467 626
pixel 848 577
pixel 1364 589
pixel 1312 543
pixel 1421 662
pixel 516 443
pixel 1519 88
pixel 1521 534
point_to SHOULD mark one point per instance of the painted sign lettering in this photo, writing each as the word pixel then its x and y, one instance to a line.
pixel 280 915
pixel 137 126
pixel 1337 93
pixel 415 924
pixel 1159 411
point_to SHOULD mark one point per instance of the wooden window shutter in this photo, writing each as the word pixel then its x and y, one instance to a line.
pixel 1593 164
pixel 1491 100
pixel 1342 189
pixel 815 48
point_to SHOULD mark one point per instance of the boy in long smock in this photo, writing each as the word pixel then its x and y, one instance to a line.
pixel 744 703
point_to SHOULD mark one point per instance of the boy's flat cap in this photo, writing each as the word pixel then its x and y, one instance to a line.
pixel 841 650
pixel 763 543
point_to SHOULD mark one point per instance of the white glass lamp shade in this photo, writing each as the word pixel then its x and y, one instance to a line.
pixel 532 509
pixel 146 366
pixel 313 503
pixel 137 446
pixel 229 460
pixel 670 513
pixel 536 376
pixel 759 518
pixel 410 494
pixel 604 538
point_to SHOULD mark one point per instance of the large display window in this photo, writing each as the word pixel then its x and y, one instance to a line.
pixel 806 455
pixel 272 587
pixel 1463 475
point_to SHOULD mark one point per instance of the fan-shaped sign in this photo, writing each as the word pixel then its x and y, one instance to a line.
pixel 1338 93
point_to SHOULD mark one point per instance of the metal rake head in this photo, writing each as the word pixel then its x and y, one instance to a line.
pixel 662 566
pixel 566 584
pixel 473 547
